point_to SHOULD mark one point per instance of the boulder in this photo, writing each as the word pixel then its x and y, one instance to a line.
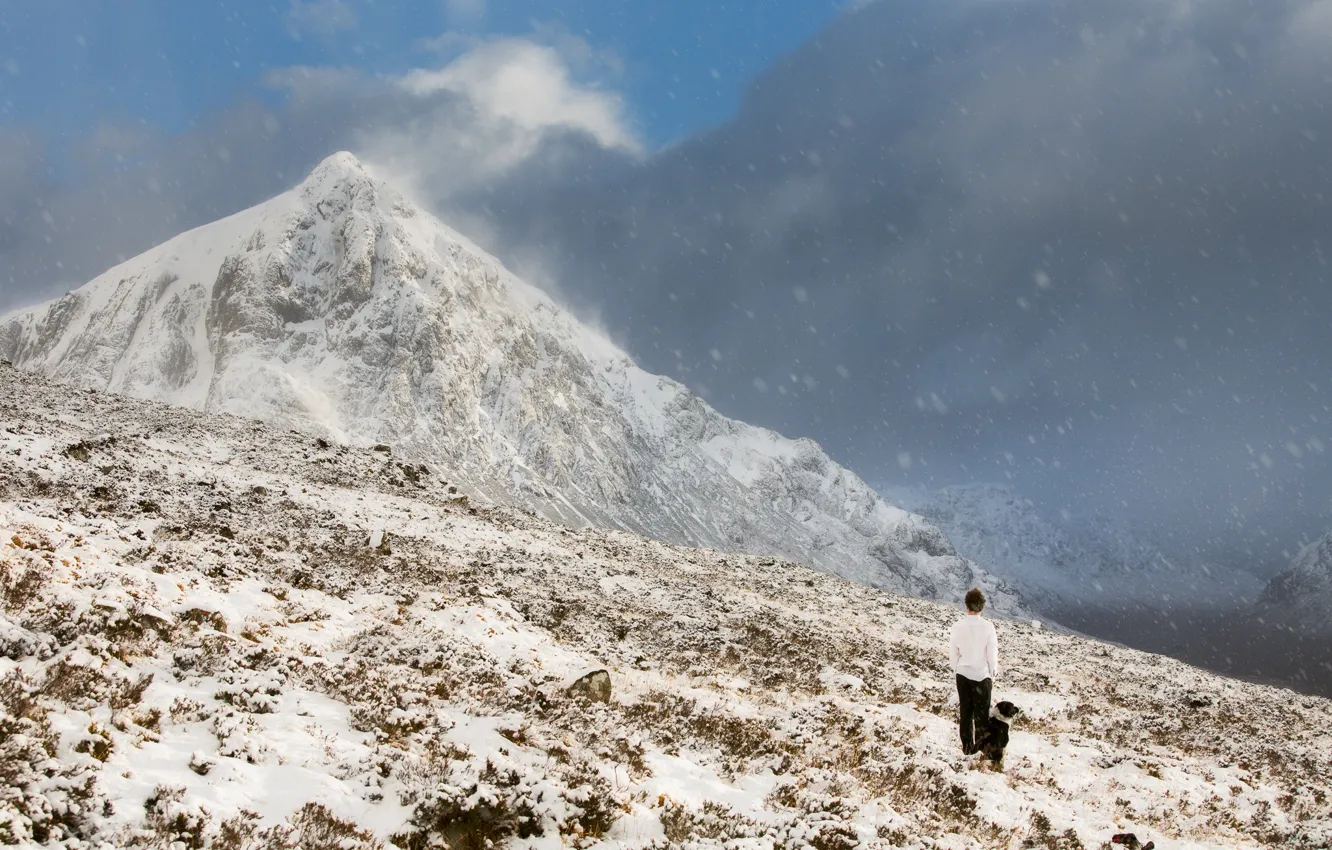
pixel 595 686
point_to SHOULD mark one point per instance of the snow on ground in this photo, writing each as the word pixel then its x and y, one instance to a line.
pixel 199 647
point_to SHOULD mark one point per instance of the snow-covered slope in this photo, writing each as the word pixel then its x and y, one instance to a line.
pixel 339 308
pixel 216 634
pixel 1079 561
pixel 1302 595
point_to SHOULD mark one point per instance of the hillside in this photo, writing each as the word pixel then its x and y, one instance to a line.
pixel 219 634
pixel 341 309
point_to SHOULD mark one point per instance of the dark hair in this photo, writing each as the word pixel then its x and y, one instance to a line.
pixel 975 600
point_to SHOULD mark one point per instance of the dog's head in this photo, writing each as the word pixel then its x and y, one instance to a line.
pixel 1130 841
pixel 1005 711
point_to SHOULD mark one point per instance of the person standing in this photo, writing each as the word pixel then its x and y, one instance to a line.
pixel 974 650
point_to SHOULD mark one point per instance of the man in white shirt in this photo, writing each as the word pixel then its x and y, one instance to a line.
pixel 974 650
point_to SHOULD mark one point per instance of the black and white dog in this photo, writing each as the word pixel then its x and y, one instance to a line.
pixel 995 737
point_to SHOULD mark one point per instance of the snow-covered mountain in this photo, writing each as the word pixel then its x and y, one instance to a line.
pixel 1077 561
pixel 340 308
pixel 216 634
pixel 1301 596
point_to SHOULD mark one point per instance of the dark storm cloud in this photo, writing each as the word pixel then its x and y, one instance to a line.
pixel 1083 244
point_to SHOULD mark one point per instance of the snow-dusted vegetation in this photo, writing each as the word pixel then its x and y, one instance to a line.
pixel 216 634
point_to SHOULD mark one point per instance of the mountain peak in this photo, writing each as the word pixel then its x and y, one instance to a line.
pixel 343 163
pixel 338 174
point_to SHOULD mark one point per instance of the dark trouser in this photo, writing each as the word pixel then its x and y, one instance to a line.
pixel 973 699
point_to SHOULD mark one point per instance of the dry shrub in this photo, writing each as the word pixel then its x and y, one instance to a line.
pixel 314 827
pixel 596 811
pixel 98 744
pixel 170 823
pixel 41 798
pixel 714 821
pixel 478 817
pixel 1042 836
pixel 198 617
pixel 738 738
pixel 20 583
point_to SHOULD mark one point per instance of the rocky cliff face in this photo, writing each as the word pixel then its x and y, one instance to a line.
pixel 341 309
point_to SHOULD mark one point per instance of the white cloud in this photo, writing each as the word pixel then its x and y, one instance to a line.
pixel 487 112
pixel 528 85
pixel 322 18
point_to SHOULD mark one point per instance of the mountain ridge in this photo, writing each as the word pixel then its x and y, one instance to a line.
pixel 341 309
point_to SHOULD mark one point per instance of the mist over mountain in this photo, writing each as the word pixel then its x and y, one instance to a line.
pixel 1074 561
pixel 1300 597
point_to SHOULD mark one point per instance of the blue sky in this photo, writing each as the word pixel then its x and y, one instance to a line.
pixel 70 65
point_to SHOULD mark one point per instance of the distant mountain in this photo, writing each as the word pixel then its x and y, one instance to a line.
pixel 1302 595
pixel 341 309
pixel 1079 561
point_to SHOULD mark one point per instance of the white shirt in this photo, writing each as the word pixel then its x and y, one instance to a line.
pixel 974 648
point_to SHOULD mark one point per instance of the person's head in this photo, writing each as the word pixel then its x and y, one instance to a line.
pixel 975 601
